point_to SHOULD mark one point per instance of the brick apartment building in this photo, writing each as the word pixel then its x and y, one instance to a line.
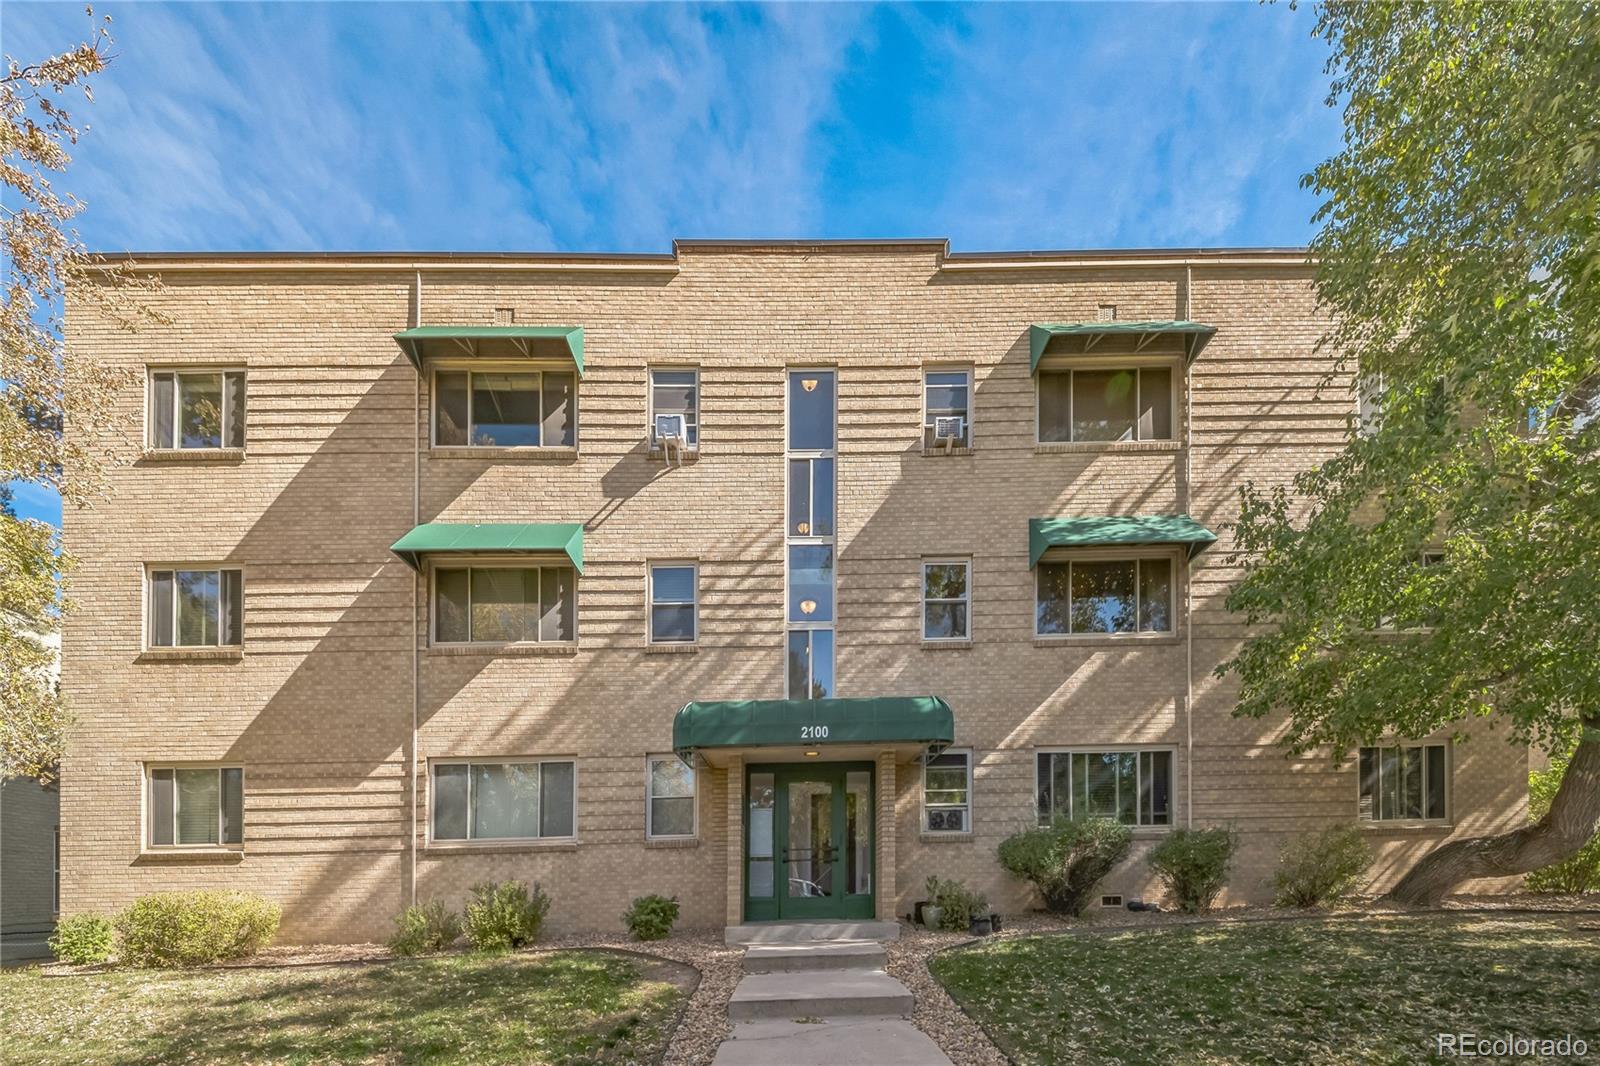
pixel 776 576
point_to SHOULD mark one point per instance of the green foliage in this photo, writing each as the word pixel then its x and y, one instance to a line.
pixel 424 928
pixel 651 917
pixel 1193 864
pixel 83 939
pixel 33 719
pixel 958 905
pixel 1066 859
pixel 195 928
pixel 1320 868
pixel 1580 872
pixel 505 915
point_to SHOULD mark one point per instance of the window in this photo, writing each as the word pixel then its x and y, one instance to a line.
pixel 947 394
pixel 504 604
pixel 196 808
pixel 808 534
pixel 947 793
pixel 946 599
pixel 197 409
pixel 505 409
pixel 672 603
pixel 810 664
pixel 1122 404
pixel 513 800
pixel 676 392
pixel 196 608
pixel 1104 596
pixel 669 802
pixel 1369 403
pixel 810 497
pixel 1403 783
pixel 1132 787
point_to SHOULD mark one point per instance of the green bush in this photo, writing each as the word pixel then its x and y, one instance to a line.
pixel 422 929
pixel 505 915
pixel 1066 859
pixel 1321 868
pixel 957 904
pixel 83 939
pixel 194 928
pixel 1193 864
pixel 651 917
pixel 1580 872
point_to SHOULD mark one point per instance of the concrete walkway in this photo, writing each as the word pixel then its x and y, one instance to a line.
pixel 817 994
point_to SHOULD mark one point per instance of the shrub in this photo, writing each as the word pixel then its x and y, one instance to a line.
pixel 1579 872
pixel 957 904
pixel 82 939
pixel 1193 864
pixel 651 917
pixel 1066 859
pixel 422 929
pixel 1321 868
pixel 505 915
pixel 194 928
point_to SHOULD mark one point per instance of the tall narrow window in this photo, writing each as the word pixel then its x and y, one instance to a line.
pixel 1404 783
pixel 505 409
pixel 504 604
pixel 809 531
pixel 1103 596
pixel 672 603
pixel 946 408
pixel 196 409
pixel 510 800
pixel 947 793
pixel 669 802
pixel 195 807
pixel 195 608
pixel 946 599
pixel 1105 405
pixel 675 395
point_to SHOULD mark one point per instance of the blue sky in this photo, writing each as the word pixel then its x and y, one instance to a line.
pixel 570 127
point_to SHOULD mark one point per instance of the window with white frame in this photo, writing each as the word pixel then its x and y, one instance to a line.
pixel 1130 786
pixel 513 799
pixel 195 608
pixel 675 395
pixel 1104 596
pixel 1106 404
pixel 946 599
pixel 196 409
pixel 947 793
pixel 1369 403
pixel 669 800
pixel 947 403
pixel 504 604
pixel 194 807
pixel 505 408
pixel 1403 783
pixel 673 612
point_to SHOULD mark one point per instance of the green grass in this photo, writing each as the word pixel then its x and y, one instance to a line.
pixel 1364 990
pixel 568 1007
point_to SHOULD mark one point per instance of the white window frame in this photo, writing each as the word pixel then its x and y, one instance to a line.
pixel 693 566
pixel 219 369
pixel 494 760
pixel 928 418
pixel 1174 364
pixel 967 806
pixel 470 368
pixel 650 798
pixel 964 561
pixel 650 405
pixel 1138 781
pixel 1089 555
pixel 1377 822
pixel 151 569
pixel 146 816
pixel 1370 394
pixel 791 539
pixel 495 564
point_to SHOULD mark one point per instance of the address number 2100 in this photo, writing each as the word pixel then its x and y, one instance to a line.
pixel 813 732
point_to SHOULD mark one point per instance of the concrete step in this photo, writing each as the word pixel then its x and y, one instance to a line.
pixel 818 994
pixel 804 932
pixel 815 955
pixel 831 1042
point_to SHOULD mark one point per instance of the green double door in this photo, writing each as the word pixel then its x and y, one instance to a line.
pixel 808 838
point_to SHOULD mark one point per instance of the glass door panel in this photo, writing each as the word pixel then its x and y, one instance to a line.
pixel 858 832
pixel 809 854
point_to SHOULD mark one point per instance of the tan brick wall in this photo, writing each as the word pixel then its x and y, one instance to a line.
pixel 319 709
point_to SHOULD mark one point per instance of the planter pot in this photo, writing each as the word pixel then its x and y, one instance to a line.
pixel 930 915
pixel 981 927
pixel 995 922
pixel 916 912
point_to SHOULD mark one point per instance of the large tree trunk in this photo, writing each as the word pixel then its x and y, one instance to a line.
pixel 1572 822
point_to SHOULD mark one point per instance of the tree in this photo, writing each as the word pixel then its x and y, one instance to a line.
pixel 1459 262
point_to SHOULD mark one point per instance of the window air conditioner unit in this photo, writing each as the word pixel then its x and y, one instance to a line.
pixel 669 429
pixel 949 430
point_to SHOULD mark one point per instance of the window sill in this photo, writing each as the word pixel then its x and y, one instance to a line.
pixel 193 455
pixel 1071 447
pixel 928 837
pixel 203 854
pixel 946 645
pixel 452 451
pixel 441 847
pixel 687 455
pixel 934 452
pixel 684 648
pixel 1105 640
pixel 496 651
pixel 670 843
pixel 186 655
pixel 1406 826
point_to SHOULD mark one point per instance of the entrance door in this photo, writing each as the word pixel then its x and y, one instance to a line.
pixel 809 841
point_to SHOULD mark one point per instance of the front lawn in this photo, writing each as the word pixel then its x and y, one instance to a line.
pixel 1367 989
pixel 566 1007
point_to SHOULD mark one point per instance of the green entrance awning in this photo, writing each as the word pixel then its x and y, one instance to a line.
pixel 1194 334
pixel 434 538
pixel 1088 531
pixel 921 720
pixel 464 340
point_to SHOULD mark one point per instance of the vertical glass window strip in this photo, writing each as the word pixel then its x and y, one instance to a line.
pixel 759 824
pixel 810 582
pixel 233 410
pixel 558 424
pixel 161 607
pixel 811 411
pixel 163 409
pixel 1155 403
pixel 809 529
pixel 162 804
pixel 451 411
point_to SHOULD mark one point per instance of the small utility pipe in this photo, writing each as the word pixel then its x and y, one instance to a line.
pixel 1188 583
pixel 416 581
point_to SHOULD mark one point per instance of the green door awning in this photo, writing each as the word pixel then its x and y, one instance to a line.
pixel 1194 334
pixel 1087 531
pixel 443 538
pixel 920 720
pixel 467 340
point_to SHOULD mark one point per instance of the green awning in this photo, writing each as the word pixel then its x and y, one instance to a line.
pixel 1195 335
pixel 463 340
pixel 920 720
pixel 443 538
pixel 1094 531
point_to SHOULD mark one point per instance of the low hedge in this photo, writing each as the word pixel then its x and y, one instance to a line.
pixel 195 928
